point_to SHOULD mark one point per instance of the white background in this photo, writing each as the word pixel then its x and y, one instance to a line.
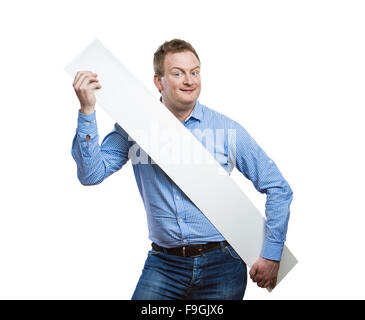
pixel 291 72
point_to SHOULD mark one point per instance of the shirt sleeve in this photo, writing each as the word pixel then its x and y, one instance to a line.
pixel 96 162
pixel 255 165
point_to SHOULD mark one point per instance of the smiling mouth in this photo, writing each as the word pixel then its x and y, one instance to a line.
pixel 187 90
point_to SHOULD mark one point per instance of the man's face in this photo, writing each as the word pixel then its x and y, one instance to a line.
pixel 180 85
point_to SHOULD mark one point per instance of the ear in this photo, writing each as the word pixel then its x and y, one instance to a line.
pixel 158 82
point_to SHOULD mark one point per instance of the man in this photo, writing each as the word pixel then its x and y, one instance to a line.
pixel 189 258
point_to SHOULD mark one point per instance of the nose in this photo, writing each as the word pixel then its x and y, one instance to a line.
pixel 188 80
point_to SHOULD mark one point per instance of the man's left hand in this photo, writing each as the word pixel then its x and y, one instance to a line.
pixel 265 272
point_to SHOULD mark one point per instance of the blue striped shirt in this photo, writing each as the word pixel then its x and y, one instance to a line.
pixel 173 220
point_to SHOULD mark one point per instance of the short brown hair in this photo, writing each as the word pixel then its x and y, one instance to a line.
pixel 173 46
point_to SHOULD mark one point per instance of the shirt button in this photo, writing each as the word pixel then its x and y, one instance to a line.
pixel 180 220
pixel 185 240
pixel 177 198
pixel 88 123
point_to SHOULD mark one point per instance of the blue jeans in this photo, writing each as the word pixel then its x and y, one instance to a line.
pixel 219 274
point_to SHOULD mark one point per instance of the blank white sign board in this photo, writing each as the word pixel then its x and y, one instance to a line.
pixel 209 187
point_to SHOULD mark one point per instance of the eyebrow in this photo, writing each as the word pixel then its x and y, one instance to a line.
pixel 183 69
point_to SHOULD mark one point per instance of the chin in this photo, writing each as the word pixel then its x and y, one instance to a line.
pixel 185 100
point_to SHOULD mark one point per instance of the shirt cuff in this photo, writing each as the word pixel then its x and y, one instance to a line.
pixel 272 250
pixel 86 124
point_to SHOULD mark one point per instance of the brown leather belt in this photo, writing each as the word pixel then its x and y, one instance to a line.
pixel 192 251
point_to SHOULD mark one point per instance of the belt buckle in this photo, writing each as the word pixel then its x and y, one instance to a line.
pixel 195 256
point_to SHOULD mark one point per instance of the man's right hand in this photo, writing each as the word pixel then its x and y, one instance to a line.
pixel 84 84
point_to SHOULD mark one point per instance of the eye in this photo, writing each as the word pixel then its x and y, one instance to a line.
pixel 195 73
pixel 178 74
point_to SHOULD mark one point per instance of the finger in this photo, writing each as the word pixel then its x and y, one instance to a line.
pixel 83 77
pixel 261 283
pixel 253 271
pixel 257 275
pixel 257 278
pixel 86 81
pixel 79 80
pixel 266 283
pixel 95 85
pixel 79 74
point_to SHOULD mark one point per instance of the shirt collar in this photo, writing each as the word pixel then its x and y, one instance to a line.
pixel 197 112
